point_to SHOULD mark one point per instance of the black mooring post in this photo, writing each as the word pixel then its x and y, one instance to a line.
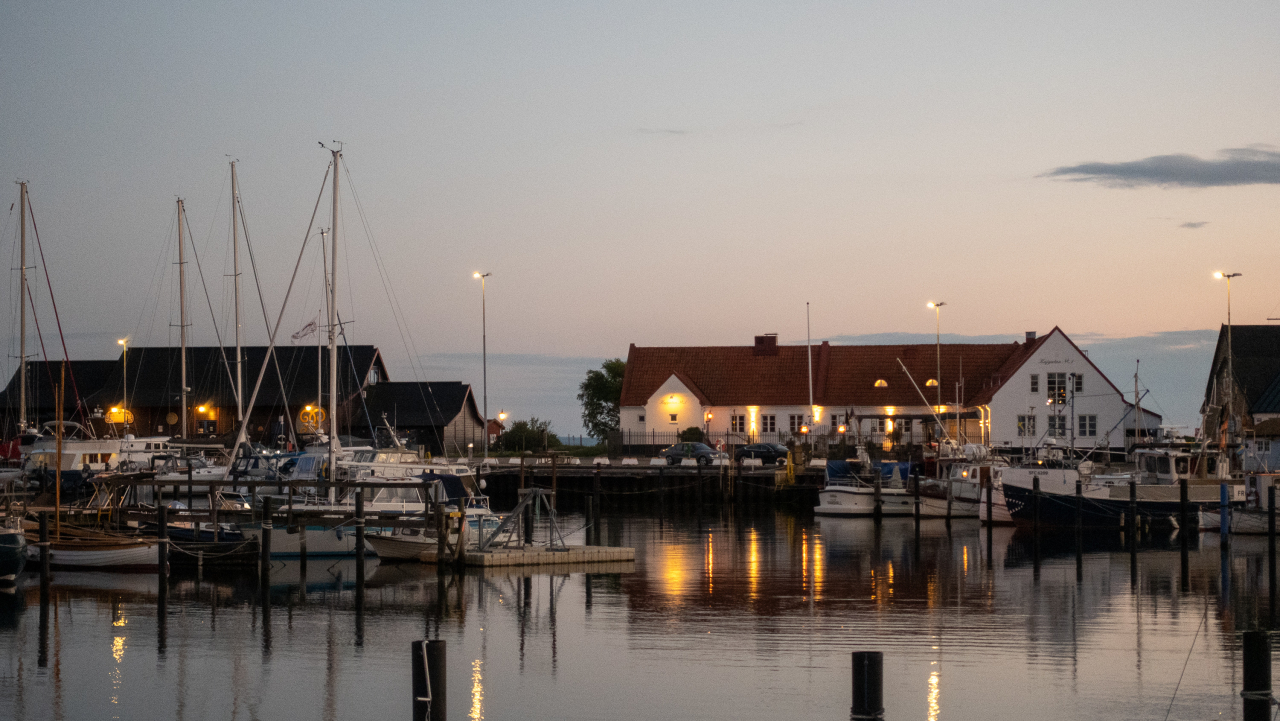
pixel 868 685
pixel 1183 505
pixel 1256 687
pixel 436 660
pixel 1079 505
pixel 421 683
pixel 1271 556
pixel 595 505
pixel 264 564
pixel 878 510
pixel 1035 504
pixel 359 566
pixel 1133 513
pixel 162 548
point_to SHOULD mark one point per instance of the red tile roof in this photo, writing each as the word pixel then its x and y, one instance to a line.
pixel 843 375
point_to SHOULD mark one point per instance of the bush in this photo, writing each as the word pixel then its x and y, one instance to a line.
pixel 692 434
pixel 530 435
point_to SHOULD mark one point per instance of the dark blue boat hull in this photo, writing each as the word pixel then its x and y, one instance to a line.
pixel 1060 510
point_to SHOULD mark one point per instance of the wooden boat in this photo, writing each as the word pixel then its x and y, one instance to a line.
pixel 401 547
pixel 85 549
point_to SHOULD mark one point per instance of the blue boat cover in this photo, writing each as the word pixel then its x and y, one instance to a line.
pixel 839 471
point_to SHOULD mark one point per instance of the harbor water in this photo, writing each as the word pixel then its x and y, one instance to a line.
pixel 745 615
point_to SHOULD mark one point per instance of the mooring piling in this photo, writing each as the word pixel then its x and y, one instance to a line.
pixel 1256 686
pixel 868 685
pixel 438 679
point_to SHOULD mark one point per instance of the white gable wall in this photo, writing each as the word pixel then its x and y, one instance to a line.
pixel 1097 397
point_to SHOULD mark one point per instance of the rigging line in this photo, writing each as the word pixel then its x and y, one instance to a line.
pixel 373 435
pixel 1188 660
pixel 47 369
pixel 397 313
pixel 216 333
pixel 57 319
pixel 253 263
pixel 271 342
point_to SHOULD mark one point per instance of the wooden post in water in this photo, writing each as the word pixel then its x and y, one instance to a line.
pixel 1271 555
pixel 190 492
pixel 1079 505
pixel 442 534
pixel 359 524
pixel 991 486
pixel 213 511
pixel 868 685
pixel 421 681
pixel 1256 686
pixel 436 673
pixel 950 496
pixel 264 564
pixel 1133 512
pixel 1183 504
pixel 1035 503
pixel 553 482
pixel 1224 514
pixel 162 548
pixel 877 512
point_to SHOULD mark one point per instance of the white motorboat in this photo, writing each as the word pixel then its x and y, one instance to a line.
pixel 845 494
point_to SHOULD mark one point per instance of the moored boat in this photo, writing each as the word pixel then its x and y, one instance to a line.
pixel 845 494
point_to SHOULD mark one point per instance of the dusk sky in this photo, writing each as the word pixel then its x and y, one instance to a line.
pixel 655 173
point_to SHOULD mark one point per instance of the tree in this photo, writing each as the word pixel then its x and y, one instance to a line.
pixel 530 435
pixel 600 393
pixel 692 434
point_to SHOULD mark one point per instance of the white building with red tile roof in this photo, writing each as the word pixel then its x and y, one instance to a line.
pixel 1043 390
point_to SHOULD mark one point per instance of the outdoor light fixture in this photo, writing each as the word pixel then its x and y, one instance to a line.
pixel 200 409
pixel 804 429
pixel 842 429
pixel 502 415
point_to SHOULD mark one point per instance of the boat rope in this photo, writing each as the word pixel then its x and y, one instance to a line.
pixel 1203 618
pixel 57 319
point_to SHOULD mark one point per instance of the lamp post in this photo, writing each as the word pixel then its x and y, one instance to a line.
pixel 124 345
pixel 484 358
pixel 937 312
pixel 1231 380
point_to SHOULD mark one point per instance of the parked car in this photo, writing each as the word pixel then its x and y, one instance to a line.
pixel 700 452
pixel 767 452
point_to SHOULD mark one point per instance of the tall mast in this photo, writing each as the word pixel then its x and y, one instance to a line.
pixel 182 312
pixel 808 344
pixel 235 274
pixel 333 323
pixel 1137 405
pixel 22 323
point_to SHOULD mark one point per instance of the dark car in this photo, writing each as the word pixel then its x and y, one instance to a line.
pixel 767 452
pixel 700 452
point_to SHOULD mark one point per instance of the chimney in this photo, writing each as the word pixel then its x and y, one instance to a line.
pixel 767 344
pixel 1031 335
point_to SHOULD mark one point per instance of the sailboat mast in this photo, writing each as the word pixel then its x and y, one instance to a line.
pixel 1137 406
pixel 235 275
pixel 182 313
pixel 22 304
pixel 333 323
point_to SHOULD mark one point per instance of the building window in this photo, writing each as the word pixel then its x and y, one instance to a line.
pixel 673 417
pixel 877 425
pixel 206 426
pixel 882 383
pixel 738 424
pixel 1035 383
pixel 1056 384
pixel 904 425
pixel 1087 426
pixel 1027 426
pixel 374 376
pixel 768 424
pixel 1057 424
pixel 1263 445
pixel 1078 386
pixel 642 418
pixel 796 422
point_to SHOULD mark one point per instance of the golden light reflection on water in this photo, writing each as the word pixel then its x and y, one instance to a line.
pixel 711 556
pixel 819 568
pixel 117 648
pixel 804 560
pixel 477 691
pixel 673 570
pixel 933 696
pixel 966 560
pixel 753 564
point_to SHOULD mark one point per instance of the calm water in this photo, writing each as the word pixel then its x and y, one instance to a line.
pixel 746 617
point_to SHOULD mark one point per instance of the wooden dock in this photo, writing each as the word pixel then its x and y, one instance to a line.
pixel 567 557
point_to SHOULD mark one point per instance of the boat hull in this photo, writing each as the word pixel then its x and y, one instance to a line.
pixel 852 501
pixel 1096 509
pixel 321 541
pixel 401 548
pixel 101 555
pixel 999 511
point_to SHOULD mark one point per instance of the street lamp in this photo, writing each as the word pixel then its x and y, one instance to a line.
pixel 1231 379
pixel 484 358
pixel 124 346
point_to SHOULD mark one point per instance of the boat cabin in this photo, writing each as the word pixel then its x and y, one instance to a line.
pixel 1167 466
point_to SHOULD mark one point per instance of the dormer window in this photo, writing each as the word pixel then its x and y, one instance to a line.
pixel 931 383
pixel 374 376
pixel 882 383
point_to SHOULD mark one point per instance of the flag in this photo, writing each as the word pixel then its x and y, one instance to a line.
pixel 307 330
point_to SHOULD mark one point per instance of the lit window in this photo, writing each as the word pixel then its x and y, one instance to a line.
pixel 1056 385
pixel 738 424
pixel 931 383
pixel 882 383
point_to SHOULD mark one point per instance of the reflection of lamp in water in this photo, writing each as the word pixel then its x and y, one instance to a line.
pixel 933 695
pixel 477 690
pixel 753 563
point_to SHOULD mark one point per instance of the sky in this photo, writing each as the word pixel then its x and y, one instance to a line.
pixel 651 173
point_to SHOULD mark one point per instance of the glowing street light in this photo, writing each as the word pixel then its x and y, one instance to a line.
pixel 124 352
pixel 937 311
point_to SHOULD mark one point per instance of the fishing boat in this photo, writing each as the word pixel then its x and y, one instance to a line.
pixel 844 493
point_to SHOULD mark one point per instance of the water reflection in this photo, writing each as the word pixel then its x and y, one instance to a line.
pixel 749 615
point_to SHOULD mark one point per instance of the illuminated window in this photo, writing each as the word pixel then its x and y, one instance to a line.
pixel 1056 385
pixel 882 383
pixel 738 424
pixel 931 383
